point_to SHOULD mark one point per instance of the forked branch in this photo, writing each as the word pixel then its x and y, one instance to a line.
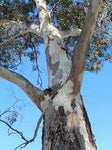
pixel 21 134
pixel 34 136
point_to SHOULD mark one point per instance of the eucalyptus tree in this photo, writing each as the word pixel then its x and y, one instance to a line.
pixel 77 38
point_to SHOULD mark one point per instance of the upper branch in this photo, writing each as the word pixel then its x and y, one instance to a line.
pixel 15 25
pixel 80 52
pixel 12 15
pixel 36 95
pixel 73 32
pixel 13 37
pixel 57 61
pixel 44 14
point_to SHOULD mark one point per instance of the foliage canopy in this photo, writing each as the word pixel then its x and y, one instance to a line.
pixel 65 15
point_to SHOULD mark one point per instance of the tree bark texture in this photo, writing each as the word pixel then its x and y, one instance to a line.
pixel 65 123
pixel 67 127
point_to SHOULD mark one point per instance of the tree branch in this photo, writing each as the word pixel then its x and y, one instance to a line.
pixel 16 131
pixel 21 134
pixel 35 135
pixel 44 14
pixel 4 10
pixel 13 37
pixel 55 5
pixel 73 32
pixel 16 25
pixel 36 95
pixel 80 52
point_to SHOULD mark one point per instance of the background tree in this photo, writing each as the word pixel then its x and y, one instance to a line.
pixel 57 25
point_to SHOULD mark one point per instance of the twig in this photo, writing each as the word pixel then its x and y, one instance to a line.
pixel 6 111
pixel 39 80
pixel 35 134
pixel 13 104
pixel 13 37
pixel 21 134
pixel 4 10
pixel 55 6
pixel 18 132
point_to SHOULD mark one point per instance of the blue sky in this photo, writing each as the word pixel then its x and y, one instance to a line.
pixel 97 94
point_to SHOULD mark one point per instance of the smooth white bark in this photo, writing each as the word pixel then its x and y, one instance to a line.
pixel 34 93
pixel 73 32
pixel 65 115
pixel 59 68
pixel 57 61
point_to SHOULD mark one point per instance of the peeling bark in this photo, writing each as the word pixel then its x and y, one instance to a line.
pixel 58 64
pixel 67 128
pixel 66 125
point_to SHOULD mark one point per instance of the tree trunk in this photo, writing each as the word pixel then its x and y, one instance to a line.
pixel 66 125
